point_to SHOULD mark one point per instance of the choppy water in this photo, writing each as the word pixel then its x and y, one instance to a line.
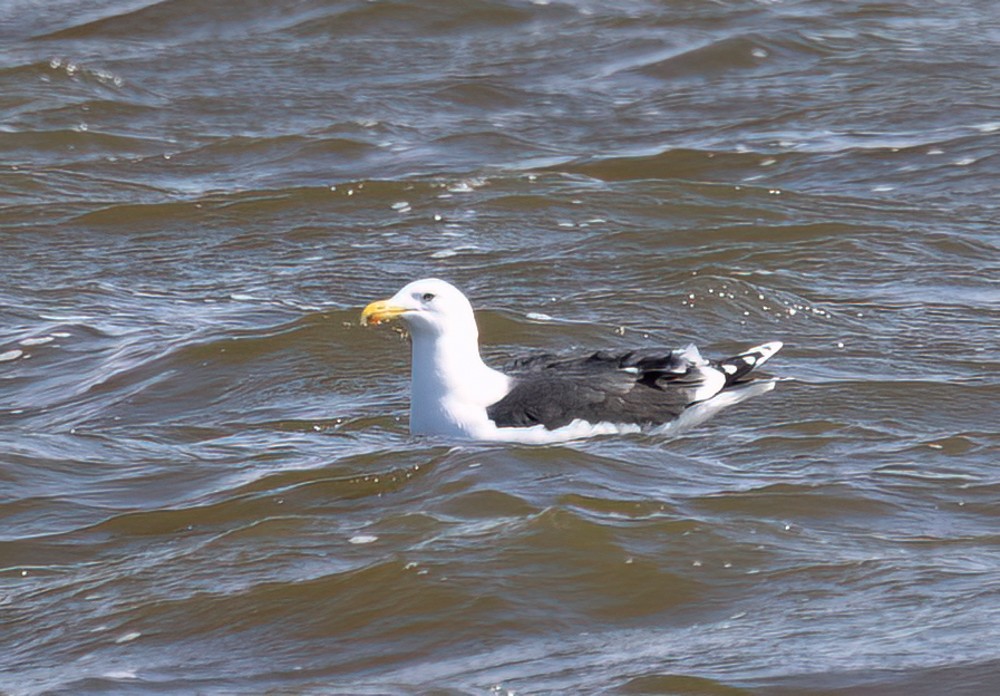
pixel 206 482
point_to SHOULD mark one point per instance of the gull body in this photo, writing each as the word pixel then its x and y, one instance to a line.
pixel 545 399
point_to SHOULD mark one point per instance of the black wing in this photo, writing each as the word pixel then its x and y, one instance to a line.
pixel 639 387
pixel 633 387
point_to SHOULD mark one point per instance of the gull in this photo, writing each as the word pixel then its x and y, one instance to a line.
pixel 543 399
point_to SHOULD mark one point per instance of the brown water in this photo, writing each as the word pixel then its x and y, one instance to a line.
pixel 206 481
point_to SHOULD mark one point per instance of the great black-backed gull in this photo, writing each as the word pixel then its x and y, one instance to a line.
pixel 546 398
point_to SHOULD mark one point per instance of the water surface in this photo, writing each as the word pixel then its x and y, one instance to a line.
pixel 206 480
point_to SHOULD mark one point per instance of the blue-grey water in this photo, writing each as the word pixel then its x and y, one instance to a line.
pixel 207 483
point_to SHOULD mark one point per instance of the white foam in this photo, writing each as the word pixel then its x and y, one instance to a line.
pixel 121 674
pixel 362 539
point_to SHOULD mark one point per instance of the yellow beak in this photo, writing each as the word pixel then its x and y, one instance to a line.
pixel 380 311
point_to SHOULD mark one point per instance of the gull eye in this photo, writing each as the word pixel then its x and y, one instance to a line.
pixel 427 296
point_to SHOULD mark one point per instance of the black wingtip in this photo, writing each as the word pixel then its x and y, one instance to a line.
pixel 739 366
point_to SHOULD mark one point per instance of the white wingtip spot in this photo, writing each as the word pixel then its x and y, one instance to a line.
pixel 764 352
pixel 729 369
pixel 769 349
pixel 749 359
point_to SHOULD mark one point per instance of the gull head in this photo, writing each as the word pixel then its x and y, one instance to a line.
pixel 428 307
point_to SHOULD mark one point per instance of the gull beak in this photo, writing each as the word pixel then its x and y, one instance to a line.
pixel 381 311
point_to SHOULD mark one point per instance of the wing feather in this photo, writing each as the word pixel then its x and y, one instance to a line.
pixel 635 387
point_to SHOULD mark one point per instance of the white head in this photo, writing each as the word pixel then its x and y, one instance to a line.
pixel 430 307
pixel 450 387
